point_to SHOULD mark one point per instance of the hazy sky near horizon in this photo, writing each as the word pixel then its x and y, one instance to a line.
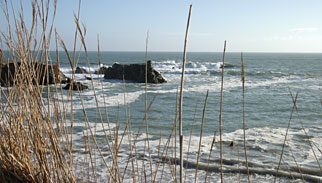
pixel 247 25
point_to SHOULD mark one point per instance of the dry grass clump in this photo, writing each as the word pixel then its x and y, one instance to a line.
pixel 30 149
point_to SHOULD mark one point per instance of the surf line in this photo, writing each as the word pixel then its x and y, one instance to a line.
pixel 291 172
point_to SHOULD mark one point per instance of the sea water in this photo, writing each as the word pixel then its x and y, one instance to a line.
pixel 271 79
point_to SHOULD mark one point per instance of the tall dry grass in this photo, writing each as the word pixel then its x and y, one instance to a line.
pixel 30 148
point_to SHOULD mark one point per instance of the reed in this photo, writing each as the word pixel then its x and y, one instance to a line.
pixel 220 113
pixel 201 130
pixel 181 96
pixel 30 148
pixel 244 125
pixel 192 127
pixel 146 103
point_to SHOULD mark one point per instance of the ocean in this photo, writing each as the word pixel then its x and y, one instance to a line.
pixel 269 80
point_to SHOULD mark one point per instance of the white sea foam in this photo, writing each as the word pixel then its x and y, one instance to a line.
pixel 255 137
pixel 102 100
pixel 173 67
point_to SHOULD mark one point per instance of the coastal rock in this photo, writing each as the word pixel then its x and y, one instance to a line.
pixel 232 144
pixel 80 70
pixel 134 72
pixel 88 78
pixel 11 73
pixel 75 86
pixel 101 70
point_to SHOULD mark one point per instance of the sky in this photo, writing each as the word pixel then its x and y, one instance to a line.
pixel 247 25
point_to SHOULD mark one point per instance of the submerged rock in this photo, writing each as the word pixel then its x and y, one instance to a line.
pixel 88 78
pixel 80 70
pixel 75 86
pixel 232 144
pixel 134 72
pixel 101 70
pixel 12 73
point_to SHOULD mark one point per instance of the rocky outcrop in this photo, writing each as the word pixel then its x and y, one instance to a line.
pixel 80 70
pixel 88 78
pixel 101 70
pixel 75 86
pixel 12 73
pixel 134 72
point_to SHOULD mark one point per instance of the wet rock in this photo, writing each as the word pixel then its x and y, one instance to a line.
pixel 88 78
pixel 134 72
pixel 80 70
pixel 75 86
pixel 12 73
pixel 101 70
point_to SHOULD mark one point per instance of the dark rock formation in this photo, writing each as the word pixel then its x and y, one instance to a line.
pixel 134 72
pixel 232 144
pixel 101 70
pixel 36 73
pixel 80 70
pixel 88 78
pixel 75 86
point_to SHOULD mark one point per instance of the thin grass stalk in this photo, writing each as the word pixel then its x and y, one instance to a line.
pixel 71 91
pixel 161 156
pixel 181 96
pixel 95 142
pixel 239 166
pixel 45 47
pixel 146 103
pixel 306 134
pixel 115 166
pixel 175 135
pixel 116 147
pixel 63 116
pixel 220 113
pixel 285 138
pixel 136 137
pixel 128 131
pixel 244 125
pixel 289 170
pixel 211 148
pixel 167 144
pixel 159 149
pixel 192 126
pixel 131 152
pixel 297 165
pixel 141 126
pixel 116 136
pixel 201 130
pixel 106 114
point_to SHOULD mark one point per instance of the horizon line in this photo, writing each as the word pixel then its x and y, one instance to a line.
pixel 316 52
pixel 205 51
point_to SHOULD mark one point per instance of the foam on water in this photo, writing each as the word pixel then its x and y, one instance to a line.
pixel 102 100
pixel 256 137
pixel 173 67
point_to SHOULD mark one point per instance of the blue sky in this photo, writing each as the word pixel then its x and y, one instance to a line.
pixel 247 25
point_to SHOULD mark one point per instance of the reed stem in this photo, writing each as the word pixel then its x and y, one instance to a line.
pixel 181 97
pixel 285 138
pixel 244 125
pixel 220 113
pixel 201 130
